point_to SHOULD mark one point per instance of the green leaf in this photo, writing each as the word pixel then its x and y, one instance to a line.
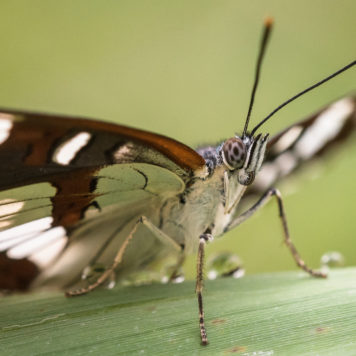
pixel 268 314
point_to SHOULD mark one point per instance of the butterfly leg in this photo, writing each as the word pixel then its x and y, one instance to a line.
pixel 164 238
pixel 204 238
pixel 265 198
pixel 175 274
pixel 167 240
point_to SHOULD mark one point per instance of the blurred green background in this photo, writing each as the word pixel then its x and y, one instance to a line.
pixel 185 69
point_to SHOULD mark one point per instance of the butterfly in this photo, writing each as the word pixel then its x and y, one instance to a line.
pixel 78 193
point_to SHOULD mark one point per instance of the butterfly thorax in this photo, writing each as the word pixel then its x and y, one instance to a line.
pixel 210 203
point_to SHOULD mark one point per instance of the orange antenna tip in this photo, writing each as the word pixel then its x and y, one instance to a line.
pixel 268 21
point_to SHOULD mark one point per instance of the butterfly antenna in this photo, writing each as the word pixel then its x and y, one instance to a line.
pixel 266 34
pixel 343 69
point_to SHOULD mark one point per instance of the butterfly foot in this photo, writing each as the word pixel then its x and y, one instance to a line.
pixel 76 292
pixel 319 274
pixel 312 272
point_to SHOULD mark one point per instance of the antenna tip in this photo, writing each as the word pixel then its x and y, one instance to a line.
pixel 268 21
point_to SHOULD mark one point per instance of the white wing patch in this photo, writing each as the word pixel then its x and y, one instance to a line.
pixel 287 139
pixel 22 233
pixel 325 128
pixel 36 243
pixel 5 127
pixel 35 240
pixel 286 162
pixel 26 224
pixel 267 175
pixel 48 253
pixel 299 144
pixel 27 229
pixel 126 153
pixel 67 151
pixel 21 205
pixel 10 206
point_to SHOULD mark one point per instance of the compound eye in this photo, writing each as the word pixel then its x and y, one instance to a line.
pixel 234 153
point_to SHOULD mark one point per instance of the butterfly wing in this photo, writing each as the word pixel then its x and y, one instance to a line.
pixel 69 187
pixel 302 142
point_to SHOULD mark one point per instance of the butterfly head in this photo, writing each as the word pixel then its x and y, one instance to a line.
pixel 244 155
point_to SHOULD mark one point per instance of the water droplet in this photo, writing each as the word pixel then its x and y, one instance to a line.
pixel 90 273
pixel 332 259
pixel 172 274
pixel 225 264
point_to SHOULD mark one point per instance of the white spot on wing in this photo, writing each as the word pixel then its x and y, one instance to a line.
pixel 125 152
pixel 122 151
pixel 287 138
pixel 26 229
pixel 47 254
pixel 67 150
pixel 6 223
pixel 36 243
pixel 324 129
pixel 5 127
pixel 5 244
pixel 286 162
pixel 10 206
pixel 267 175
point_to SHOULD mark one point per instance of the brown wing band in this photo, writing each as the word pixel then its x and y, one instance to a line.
pixel 179 153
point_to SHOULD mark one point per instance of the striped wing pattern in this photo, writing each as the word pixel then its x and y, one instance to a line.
pixel 58 174
pixel 306 140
